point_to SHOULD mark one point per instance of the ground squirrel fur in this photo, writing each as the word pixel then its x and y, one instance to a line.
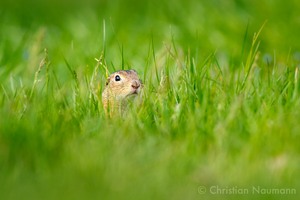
pixel 120 86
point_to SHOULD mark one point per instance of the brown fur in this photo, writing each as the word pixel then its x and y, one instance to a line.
pixel 116 93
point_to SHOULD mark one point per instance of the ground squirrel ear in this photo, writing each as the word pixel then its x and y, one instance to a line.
pixel 107 81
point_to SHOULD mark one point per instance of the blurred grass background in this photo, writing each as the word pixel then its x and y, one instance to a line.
pixel 201 124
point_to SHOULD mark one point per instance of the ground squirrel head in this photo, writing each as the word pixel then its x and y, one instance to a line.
pixel 120 86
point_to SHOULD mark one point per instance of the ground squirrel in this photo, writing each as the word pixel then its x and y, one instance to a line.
pixel 120 87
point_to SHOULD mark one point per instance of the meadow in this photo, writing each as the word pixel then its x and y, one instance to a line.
pixel 221 100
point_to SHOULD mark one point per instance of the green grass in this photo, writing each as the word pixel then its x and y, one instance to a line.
pixel 221 102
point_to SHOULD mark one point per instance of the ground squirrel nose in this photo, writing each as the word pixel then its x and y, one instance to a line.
pixel 135 84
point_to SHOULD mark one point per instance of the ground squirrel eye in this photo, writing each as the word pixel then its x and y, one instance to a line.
pixel 117 78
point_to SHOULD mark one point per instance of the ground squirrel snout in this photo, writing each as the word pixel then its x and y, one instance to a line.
pixel 120 86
